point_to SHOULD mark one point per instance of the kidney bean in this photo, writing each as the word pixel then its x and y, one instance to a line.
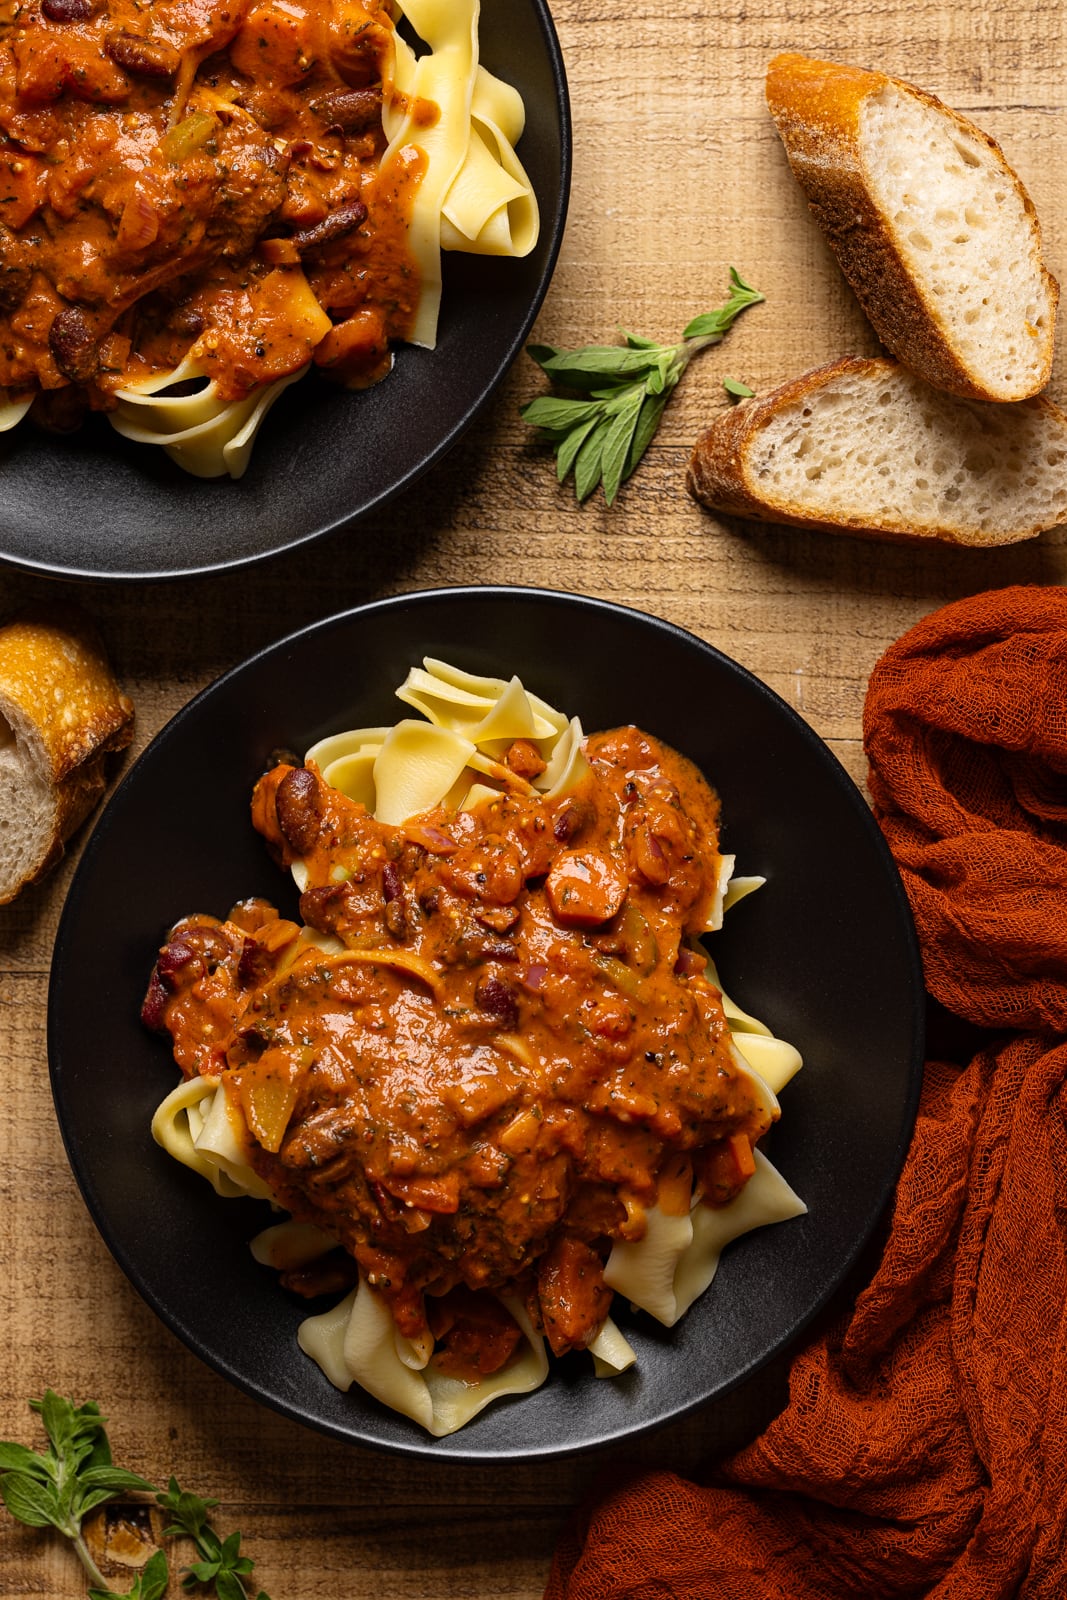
pixel 351 110
pixel 154 1003
pixel 67 10
pixel 140 57
pixel 74 345
pixel 499 1001
pixel 576 815
pixel 254 965
pixel 172 958
pixel 299 805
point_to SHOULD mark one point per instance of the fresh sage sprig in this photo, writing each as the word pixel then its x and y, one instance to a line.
pixel 619 392
pixel 60 1486
pixel 74 1475
pixel 221 1561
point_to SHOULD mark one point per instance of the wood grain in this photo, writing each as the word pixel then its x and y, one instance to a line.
pixel 678 175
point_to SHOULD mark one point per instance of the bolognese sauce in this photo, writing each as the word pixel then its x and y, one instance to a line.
pixel 511 1053
pixel 183 173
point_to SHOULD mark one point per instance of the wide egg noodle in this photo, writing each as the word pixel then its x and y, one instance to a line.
pixel 415 768
pixel 612 1353
pixel 675 1262
pixel 490 208
pixel 643 1270
pixel 290 1244
pixel 491 688
pixel 775 1061
pixel 357 1342
pixel 353 775
pixel 444 77
pixel 766 1198
pixel 568 765
pixel 323 1339
pixel 498 718
pixel 654 1272
pixel 336 745
pixel 12 411
pixel 193 1124
pixel 208 436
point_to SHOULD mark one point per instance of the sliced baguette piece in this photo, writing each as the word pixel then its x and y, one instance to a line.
pixel 931 227
pixel 863 446
pixel 61 711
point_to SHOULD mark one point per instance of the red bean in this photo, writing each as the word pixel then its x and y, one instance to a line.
pixel 67 10
pixel 299 805
pixel 142 58
pixel 74 345
pixel 498 1000
pixel 351 110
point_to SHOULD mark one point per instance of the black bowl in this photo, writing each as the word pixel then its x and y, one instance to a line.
pixel 97 506
pixel 824 953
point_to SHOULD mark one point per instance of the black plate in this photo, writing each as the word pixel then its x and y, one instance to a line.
pixel 97 506
pixel 825 954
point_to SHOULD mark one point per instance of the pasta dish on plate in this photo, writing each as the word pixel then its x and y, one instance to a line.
pixel 491 1072
pixel 199 201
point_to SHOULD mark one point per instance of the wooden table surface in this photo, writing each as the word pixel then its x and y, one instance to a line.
pixel 678 174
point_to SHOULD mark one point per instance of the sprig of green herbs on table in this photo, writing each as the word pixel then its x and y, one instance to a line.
pixel 603 429
pixel 59 1487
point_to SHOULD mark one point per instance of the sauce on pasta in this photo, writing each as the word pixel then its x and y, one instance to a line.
pixel 510 1058
pixel 186 175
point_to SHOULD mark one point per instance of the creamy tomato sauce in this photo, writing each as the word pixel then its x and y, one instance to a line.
pixel 180 173
pixel 514 1054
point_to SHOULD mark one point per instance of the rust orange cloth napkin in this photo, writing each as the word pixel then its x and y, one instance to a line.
pixel 923 1451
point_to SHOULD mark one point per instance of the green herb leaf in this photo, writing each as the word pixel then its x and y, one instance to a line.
pixel 149 1584
pixel 587 467
pixel 58 1489
pixel 740 391
pixel 541 352
pixel 229 1587
pixel 652 409
pixel 617 446
pixel 558 415
pixel 569 447
pixel 31 1501
pixel 602 436
pixel 18 1458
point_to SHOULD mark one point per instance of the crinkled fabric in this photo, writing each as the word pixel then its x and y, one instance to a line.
pixel 923 1450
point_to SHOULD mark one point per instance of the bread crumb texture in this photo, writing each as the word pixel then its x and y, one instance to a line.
pixel 901 454
pixel 864 446
pixel 963 227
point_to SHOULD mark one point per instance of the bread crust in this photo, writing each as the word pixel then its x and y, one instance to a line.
pixel 816 106
pixel 720 477
pixel 66 713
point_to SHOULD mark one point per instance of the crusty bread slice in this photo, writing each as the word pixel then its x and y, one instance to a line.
pixel 61 711
pixel 930 225
pixel 863 446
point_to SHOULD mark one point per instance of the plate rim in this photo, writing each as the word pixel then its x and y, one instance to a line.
pixel 461 1446
pixel 554 227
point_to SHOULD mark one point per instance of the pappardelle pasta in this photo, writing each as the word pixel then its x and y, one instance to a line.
pixel 202 202
pixel 491 1073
